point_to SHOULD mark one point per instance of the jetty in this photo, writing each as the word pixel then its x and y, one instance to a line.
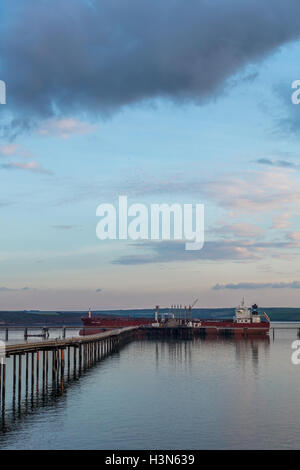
pixel 34 361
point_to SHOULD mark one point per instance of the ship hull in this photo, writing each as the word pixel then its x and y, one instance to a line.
pixel 211 327
pixel 114 322
pixel 207 327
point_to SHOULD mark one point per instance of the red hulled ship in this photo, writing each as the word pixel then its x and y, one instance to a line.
pixel 246 321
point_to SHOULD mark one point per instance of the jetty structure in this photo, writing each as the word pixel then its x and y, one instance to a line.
pixel 36 365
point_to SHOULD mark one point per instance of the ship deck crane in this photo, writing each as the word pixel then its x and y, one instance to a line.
pixel 191 306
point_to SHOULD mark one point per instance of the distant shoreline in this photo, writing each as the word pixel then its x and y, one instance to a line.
pixel 73 318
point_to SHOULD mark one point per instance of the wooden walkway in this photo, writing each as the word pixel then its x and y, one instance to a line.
pixel 76 341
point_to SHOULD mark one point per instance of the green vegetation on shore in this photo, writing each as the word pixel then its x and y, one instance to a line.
pixel 74 318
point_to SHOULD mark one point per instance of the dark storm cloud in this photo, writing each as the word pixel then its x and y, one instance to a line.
pixel 97 56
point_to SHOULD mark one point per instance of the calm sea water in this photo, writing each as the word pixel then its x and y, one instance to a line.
pixel 186 394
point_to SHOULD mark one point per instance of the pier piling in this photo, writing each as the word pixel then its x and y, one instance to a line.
pixel 44 368
pixel 20 379
pixel 14 376
pixel 32 372
pixel 37 369
pixel 53 365
pixel 47 367
pixel 3 384
pixel 74 360
pixel 62 359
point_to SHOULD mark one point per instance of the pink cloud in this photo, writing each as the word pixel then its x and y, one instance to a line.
pixel 282 221
pixel 295 236
pixel 240 230
pixel 258 191
pixel 30 166
pixel 64 128
pixel 9 150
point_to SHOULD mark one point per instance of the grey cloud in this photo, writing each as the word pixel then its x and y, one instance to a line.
pixel 64 227
pixel 16 126
pixel 98 56
pixel 279 163
pixel 169 251
pixel 9 289
pixel 259 285
pixel 5 203
pixel 32 166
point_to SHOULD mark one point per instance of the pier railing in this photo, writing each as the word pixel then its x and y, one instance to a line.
pixel 43 331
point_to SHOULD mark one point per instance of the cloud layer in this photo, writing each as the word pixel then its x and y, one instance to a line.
pixel 280 163
pixel 101 55
pixel 259 285
pixel 169 251
pixel 30 166
pixel 10 289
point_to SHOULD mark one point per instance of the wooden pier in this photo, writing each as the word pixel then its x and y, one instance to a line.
pixel 38 364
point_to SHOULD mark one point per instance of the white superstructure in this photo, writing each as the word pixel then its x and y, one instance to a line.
pixel 244 314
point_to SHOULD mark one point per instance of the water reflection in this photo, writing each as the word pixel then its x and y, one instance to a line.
pixel 251 349
pixel 44 379
pixel 208 392
pixel 183 352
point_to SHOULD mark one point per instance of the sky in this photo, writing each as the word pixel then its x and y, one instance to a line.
pixel 165 102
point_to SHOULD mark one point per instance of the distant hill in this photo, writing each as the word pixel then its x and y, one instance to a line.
pixel 36 317
pixel 282 313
